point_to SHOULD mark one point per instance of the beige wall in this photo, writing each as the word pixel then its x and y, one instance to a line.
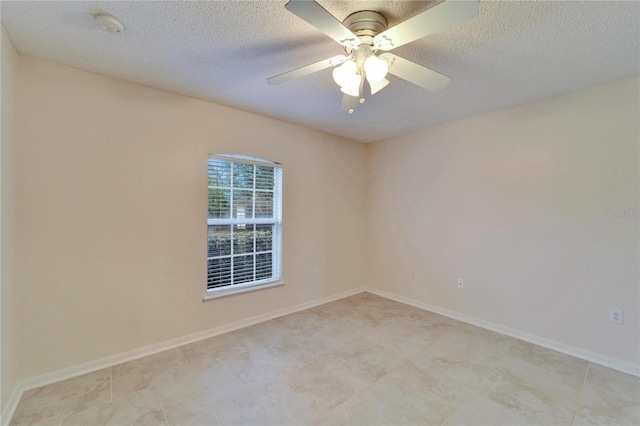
pixel 111 201
pixel 8 379
pixel 514 203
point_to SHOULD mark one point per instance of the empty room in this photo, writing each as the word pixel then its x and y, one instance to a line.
pixel 299 212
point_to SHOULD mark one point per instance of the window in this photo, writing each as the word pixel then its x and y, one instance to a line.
pixel 244 223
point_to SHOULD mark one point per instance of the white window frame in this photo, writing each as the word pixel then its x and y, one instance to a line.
pixel 276 221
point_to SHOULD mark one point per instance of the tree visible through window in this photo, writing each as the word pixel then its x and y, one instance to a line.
pixel 244 222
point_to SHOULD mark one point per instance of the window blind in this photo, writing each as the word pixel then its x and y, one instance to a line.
pixel 244 222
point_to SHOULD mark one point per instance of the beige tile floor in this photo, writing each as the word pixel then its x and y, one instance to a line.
pixel 363 360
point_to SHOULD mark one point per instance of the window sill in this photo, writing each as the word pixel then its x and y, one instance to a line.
pixel 231 291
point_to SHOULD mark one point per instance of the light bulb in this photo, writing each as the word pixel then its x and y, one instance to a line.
pixel 375 69
pixel 344 72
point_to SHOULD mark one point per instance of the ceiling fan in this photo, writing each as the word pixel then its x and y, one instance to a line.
pixel 363 34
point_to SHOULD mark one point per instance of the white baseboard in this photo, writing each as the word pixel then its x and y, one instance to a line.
pixel 78 370
pixel 11 406
pixel 596 358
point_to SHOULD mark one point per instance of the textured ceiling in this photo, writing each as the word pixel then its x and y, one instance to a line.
pixel 223 51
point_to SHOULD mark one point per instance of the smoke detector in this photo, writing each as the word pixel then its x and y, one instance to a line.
pixel 109 23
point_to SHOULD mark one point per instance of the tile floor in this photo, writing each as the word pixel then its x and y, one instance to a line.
pixel 363 360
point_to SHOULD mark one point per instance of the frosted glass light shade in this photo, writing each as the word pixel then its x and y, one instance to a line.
pixel 375 69
pixel 376 87
pixel 351 91
pixel 352 86
pixel 345 72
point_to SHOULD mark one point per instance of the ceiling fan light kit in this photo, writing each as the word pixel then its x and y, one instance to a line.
pixel 362 34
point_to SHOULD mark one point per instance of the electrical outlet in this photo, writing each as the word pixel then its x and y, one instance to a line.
pixel 615 316
pixel 316 273
pixel 413 274
pixel 460 283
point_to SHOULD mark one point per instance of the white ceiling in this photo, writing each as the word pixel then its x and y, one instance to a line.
pixel 223 51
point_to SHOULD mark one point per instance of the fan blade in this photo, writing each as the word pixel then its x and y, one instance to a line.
pixel 348 102
pixel 317 16
pixel 306 70
pixel 414 73
pixel 437 18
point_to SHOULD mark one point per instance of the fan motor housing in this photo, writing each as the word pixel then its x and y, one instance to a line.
pixel 366 24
